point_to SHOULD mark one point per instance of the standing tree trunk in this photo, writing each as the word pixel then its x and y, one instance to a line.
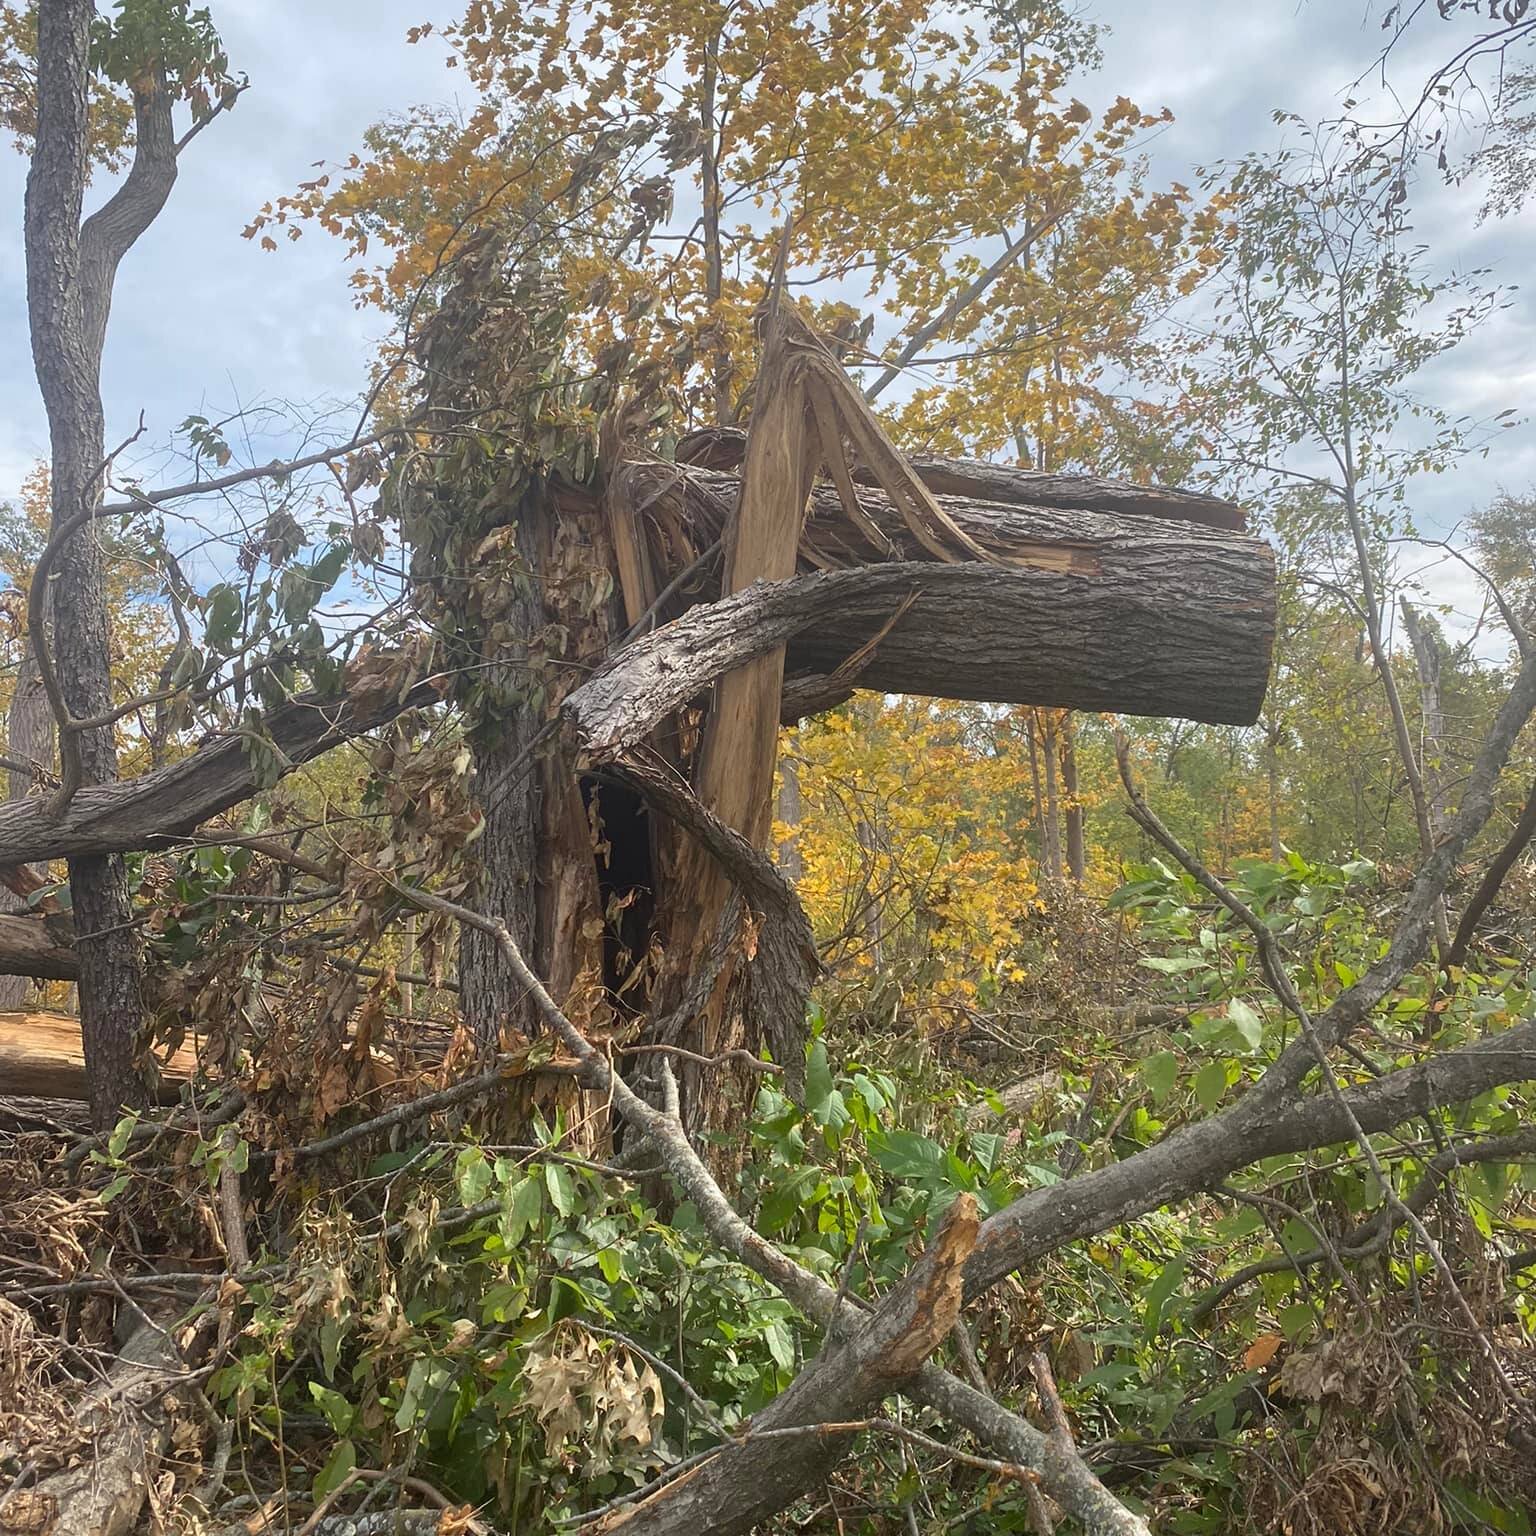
pixel 1272 738
pixel 70 271
pixel 1032 736
pixel 506 789
pixel 1050 815
pixel 1077 856
pixel 788 811
pixel 1428 655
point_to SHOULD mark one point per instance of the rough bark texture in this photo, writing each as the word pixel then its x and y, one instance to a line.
pixel 37 946
pixel 1077 853
pixel 972 631
pixel 29 739
pixel 507 784
pixel 70 271
pixel 975 479
pixel 164 805
pixel 1083 609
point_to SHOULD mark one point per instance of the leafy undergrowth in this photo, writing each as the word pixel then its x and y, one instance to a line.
pixel 535 1333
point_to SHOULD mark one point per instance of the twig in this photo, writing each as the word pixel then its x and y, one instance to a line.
pixel 746 1058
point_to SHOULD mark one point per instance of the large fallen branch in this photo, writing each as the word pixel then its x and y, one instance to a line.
pixel 30 946
pixel 1209 1151
pixel 723 448
pixel 168 803
pixel 1197 645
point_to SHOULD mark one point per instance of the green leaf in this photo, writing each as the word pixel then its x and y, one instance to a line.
pixel 1295 1320
pixel 524 1206
pixel 561 1186
pixel 338 1468
pixel 1160 1290
pixel 781 1343
pixel 472 1174
pixel 818 1081
pixel 988 1147
pixel 1176 966
pixel 122 1133
pixel 1159 1072
pixel 337 1410
pixel 906 1155
pixel 222 615
pixel 1211 1084
pixel 1246 1023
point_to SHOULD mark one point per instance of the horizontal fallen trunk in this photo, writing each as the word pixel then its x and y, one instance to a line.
pixel 41 1056
pixel 167 804
pixel 723 448
pixel 1153 633
pixel 30 946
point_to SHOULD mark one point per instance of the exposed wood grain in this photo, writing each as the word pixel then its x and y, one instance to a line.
pixel 41 1056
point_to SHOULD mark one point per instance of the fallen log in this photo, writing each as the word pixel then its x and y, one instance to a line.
pixel 723 448
pixel 41 1057
pixel 29 946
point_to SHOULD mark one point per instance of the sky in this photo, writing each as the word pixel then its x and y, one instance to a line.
pixel 204 322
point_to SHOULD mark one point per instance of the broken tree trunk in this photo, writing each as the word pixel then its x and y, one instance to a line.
pixel 705 930
pixel 39 947
pixel 1077 609
pixel 971 632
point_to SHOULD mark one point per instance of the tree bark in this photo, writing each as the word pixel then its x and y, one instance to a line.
pixel 70 271
pixel 161 807
pixel 36 946
pixel 1144 639
pixel 1051 814
pixel 42 1056
pixel 788 811
pixel 978 480
pixel 1077 854
pixel 29 739
pixel 1181 615
pixel 507 782
pixel 1428 653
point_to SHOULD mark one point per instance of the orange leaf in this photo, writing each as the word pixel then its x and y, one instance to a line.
pixel 1262 1351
